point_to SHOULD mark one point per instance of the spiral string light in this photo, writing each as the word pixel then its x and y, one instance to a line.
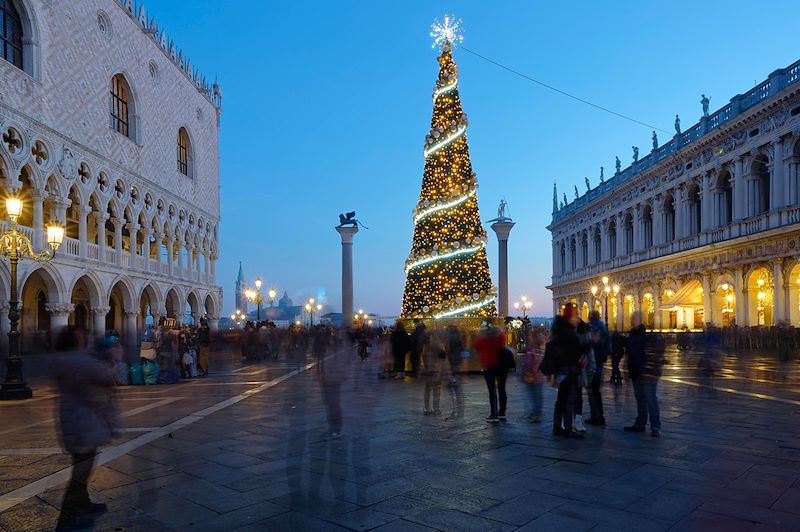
pixel 448 269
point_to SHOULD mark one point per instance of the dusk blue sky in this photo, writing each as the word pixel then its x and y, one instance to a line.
pixel 326 105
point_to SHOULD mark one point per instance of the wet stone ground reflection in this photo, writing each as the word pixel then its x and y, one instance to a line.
pixel 336 447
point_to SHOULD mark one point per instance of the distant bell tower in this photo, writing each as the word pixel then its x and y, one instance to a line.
pixel 241 299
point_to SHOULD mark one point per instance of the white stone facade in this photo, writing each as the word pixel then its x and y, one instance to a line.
pixel 703 230
pixel 142 237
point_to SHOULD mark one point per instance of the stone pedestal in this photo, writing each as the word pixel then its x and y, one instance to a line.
pixel 99 315
pixel 502 229
pixel 347 233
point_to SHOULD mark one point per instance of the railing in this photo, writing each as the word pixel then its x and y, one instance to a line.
pixel 111 256
pixel 793 215
pixel 71 246
pixel 751 226
pixel 93 251
pixel 126 259
pixel 164 268
pixel 717 235
pixel 778 80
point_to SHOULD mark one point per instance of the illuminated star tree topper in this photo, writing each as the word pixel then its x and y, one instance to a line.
pixel 447 32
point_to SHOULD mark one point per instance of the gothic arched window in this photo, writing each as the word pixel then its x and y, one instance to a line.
pixel 10 33
pixel 121 106
pixel 184 153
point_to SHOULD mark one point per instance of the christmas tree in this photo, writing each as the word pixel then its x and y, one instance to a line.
pixel 447 270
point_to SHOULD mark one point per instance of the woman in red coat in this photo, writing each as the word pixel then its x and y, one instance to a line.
pixel 489 343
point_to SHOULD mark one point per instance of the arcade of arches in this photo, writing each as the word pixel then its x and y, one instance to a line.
pixel 758 294
pixel 50 300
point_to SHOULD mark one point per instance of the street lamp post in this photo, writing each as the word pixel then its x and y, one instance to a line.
pixel 255 296
pixel 16 246
pixel 606 291
pixel 238 317
pixel 524 305
pixel 311 306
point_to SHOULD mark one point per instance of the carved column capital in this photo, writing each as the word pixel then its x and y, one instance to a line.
pixel 101 311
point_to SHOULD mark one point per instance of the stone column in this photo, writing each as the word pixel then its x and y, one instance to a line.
pixel 658 221
pixel 99 314
pixel 101 219
pixel 347 234
pixel 739 195
pixel 657 314
pixel 503 229
pixel 776 189
pixel 605 252
pixel 83 213
pixel 59 316
pixel 118 240
pixel 707 220
pixel 170 245
pixel 620 324
pixel 739 294
pixel 146 248
pixel 779 298
pixel 133 231
pixel 681 207
pixel 638 228
pixel 38 221
pixel 620 225
pixel 708 311
pixel 130 338
pixel 213 324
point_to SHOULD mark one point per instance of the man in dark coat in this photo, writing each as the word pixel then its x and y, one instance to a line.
pixel 644 366
pixel 601 345
pixel 400 343
pixel 568 346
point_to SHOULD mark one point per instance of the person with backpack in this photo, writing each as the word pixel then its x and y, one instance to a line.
pixel 489 342
pixel 601 346
pixel 562 354
pixel 644 366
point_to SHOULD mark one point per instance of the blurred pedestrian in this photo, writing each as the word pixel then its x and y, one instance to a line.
pixel 434 359
pixel 532 378
pixel 489 342
pixel 644 367
pixel 87 417
pixel 400 345
pixel 455 354
pixel 601 346
pixel 617 352
pixel 567 352
pixel 417 344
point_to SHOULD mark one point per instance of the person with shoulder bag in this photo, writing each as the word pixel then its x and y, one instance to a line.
pixel 489 343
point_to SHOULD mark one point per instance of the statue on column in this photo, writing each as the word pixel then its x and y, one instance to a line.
pixel 350 219
pixel 677 125
pixel 502 215
pixel 704 101
pixel 655 141
pixel 635 154
pixel 618 163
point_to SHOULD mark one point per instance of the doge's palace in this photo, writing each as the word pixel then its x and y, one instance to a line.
pixel 107 129
pixel 702 230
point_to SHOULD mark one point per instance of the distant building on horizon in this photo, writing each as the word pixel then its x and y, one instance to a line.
pixel 240 300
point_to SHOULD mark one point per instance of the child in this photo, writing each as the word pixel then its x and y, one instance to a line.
pixel 531 377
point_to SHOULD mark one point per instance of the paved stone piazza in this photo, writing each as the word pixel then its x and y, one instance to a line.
pixel 244 448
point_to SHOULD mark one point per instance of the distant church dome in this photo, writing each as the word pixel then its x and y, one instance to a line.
pixel 285 301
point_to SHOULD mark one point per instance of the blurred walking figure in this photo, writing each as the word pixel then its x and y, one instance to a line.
pixel 87 416
pixel 417 344
pixel 489 342
pixel 644 366
pixel 601 346
pixel 567 350
pixel 455 350
pixel 434 358
pixel 531 376
pixel 401 343
pixel 617 352
pixel 322 337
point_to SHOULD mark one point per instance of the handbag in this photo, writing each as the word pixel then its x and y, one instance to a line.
pixel 507 360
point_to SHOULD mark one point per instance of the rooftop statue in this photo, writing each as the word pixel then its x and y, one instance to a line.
pixel 655 141
pixel 704 101
pixel 588 187
pixel 602 177
pixel 618 164
pixel 576 192
pixel 635 154
pixel 677 125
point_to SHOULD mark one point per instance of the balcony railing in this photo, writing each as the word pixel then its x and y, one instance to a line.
pixel 777 81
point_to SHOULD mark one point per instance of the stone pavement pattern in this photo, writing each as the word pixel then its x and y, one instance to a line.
pixel 728 458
